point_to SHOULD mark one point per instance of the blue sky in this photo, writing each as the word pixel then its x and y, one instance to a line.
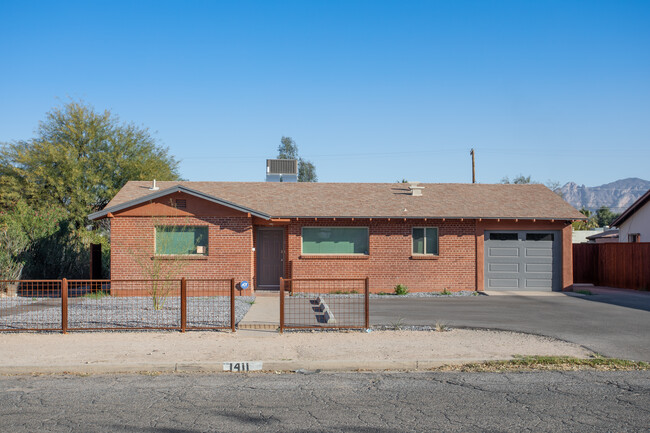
pixel 371 91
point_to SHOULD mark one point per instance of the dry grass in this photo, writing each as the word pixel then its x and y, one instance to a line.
pixel 562 363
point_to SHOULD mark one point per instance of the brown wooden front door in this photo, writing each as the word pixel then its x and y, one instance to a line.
pixel 270 257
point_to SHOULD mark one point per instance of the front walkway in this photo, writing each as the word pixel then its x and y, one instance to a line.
pixel 263 314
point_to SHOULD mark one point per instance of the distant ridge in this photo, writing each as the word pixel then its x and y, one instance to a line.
pixel 617 195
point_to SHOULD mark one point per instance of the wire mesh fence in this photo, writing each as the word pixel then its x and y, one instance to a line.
pixel 324 303
pixel 211 304
pixel 30 305
pixel 123 304
pixel 84 305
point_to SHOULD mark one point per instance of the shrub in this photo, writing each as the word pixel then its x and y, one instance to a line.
pixel 401 289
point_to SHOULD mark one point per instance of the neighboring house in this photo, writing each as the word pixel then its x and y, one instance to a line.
pixel 634 223
pixel 604 237
pixel 425 236
pixel 580 236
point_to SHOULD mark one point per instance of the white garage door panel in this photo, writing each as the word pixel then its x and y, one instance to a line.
pixel 522 260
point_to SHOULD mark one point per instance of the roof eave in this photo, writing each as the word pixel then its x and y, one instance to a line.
pixel 178 188
pixel 631 210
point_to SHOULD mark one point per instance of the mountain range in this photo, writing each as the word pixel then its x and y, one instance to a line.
pixel 617 195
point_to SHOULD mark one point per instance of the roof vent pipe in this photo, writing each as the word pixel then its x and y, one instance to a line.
pixel 153 186
pixel 416 189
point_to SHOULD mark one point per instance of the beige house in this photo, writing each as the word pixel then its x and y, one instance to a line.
pixel 634 223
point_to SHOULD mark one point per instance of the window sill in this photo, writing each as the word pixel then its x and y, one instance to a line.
pixel 182 257
pixel 424 257
pixel 335 256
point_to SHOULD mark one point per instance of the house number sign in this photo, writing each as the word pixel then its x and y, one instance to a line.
pixel 242 367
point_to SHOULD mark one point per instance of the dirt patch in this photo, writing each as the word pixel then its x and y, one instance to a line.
pixel 133 348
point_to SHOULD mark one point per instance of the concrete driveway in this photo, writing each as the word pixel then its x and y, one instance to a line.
pixel 614 324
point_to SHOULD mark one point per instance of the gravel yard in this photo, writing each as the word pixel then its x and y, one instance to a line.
pixel 119 312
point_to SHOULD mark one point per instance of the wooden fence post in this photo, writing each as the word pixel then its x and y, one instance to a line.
pixel 232 305
pixel 64 306
pixel 183 304
pixel 367 302
pixel 281 305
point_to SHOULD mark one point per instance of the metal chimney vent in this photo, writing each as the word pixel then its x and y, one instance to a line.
pixel 154 187
pixel 282 170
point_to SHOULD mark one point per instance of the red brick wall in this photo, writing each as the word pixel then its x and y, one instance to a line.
pixel 229 248
pixel 390 261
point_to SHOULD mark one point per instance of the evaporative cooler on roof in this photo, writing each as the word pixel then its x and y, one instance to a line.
pixel 282 170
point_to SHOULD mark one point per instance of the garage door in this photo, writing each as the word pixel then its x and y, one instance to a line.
pixel 522 260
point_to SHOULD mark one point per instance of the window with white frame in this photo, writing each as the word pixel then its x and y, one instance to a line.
pixel 425 240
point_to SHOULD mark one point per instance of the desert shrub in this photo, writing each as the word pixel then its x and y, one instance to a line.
pixel 401 289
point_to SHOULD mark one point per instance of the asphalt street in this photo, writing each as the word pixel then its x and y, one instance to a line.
pixel 614 326
pixel 360 402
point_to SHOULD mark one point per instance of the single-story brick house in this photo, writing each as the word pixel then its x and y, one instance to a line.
pixel 428 237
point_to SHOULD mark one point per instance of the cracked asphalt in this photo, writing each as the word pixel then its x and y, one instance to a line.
pixel 581 401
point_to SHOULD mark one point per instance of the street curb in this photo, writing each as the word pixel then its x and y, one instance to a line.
pixel 217 367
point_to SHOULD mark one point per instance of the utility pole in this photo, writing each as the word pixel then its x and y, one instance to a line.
pixel 471 152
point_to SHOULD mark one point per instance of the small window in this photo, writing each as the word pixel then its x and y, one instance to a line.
pixel 425 240
pixel 181 240
pixel 634 237
pixel 181 203
pixel 504 236
pixel 540 237
pixel 335 240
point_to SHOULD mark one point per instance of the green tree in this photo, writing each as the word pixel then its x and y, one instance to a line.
pixel 79 159
pixel 38 243
pixel 306 171
pixel 521 180
pixel 288 149
pixel 605 216
pixel 590 223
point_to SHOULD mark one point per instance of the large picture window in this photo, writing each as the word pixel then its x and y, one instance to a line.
pixel 335 240
pixel 181 240
pixel 425 240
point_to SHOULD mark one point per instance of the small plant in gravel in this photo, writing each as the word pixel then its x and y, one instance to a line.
pixel 345 292
pixel 383 294
pixel 398 324
pixel 250 302
pixel 96 295
pixel 441 327
pixel 445 292
pixel 401 289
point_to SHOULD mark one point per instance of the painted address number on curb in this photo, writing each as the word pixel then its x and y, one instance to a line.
pixel 240 367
